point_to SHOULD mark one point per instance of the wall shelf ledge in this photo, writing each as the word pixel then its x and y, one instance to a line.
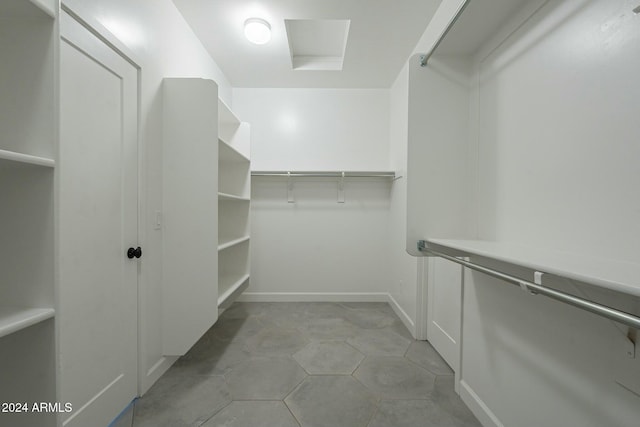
pixel 14 319
pixel 616 275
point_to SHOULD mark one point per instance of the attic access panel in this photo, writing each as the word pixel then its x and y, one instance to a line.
pixel 317 44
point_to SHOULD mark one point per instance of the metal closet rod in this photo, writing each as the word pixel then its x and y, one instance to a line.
pixel 593 307
pixel 425 58
pixel 332 174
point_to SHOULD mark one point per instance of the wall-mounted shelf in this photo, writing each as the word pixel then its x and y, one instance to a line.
pixel 234 205
pixel 606 273
pixel 231 243
pixel 226 196
pixel 14 319
pixel 229 153
pixel 225 115
pixel 230 288
pixel 326 174
pixel 29 47
pixel 26 158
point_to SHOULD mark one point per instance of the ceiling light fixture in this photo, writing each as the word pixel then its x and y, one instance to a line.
pixel 257 30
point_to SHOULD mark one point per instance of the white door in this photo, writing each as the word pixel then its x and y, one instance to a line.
pixel 98 218
pixel 444 315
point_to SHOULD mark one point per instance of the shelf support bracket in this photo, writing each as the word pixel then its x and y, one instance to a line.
pixel 289 188
pixel 341 188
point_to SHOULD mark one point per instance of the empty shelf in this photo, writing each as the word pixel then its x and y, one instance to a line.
pixel 13 319
pixel 228 243
pixel 604 272
pixel 228 153
pixel 230 289
pixel 225 115
pixel 226 196
pixel 26 158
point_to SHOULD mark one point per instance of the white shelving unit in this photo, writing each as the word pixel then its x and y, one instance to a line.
pixel 190 212
pixel 28 146
pixel 234 189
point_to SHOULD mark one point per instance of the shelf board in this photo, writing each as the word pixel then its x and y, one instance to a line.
pixel 231 153
pixel 225 115
pixel 21 9
pixel 14 319
pixel 232 291
pixel 326 174
pixel 477 24
pixel 226 196
pixel 230 243
pixel 26 158
pixel 606 273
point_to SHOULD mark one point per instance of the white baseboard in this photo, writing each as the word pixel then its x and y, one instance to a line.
pixel 482 412
pixel 313 297
pixel 155 372
pixel 408 322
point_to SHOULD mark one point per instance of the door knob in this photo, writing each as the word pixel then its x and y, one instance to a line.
pixel 134 252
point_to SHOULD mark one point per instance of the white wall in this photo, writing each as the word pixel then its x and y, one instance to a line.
pixel 559 144
pixel 316 245
pixel 165 46
pixel 403 286
pixel 556 168
pixel 316 129
pixel 559 154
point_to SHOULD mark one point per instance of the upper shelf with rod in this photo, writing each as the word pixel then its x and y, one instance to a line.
pixel 616 275
pixel 327 174
pixel 473 24
pixel 620 276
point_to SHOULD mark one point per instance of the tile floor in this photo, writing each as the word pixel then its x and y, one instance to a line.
pixel 305 365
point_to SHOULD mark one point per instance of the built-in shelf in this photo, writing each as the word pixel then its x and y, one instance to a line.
pixel 27 9
pixel 231 243
pixel 226 196
pixel 230 153
pixel 14 319
pixel 607 273
pixel 231 287
pixel 327 174
pixel 225 115
pixel 26 158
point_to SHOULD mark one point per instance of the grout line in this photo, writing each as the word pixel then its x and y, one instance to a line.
pixel 217 412
pixel 292 414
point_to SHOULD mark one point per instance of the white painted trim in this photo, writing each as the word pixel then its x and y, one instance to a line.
pixel 78 11
pixel 313 297
pixel 410 325
pixel 156 371
pixel 423 269
pixel 482 412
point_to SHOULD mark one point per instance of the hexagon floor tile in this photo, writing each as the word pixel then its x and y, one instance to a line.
pixel 236 329
pixel 253 414
pixel 264 378
pixel 331 401
pixel 247 370
pixel 329 358
pixel 177 400
pixel 329 329
pixel 395 378
pixel 276 341
pixel 412 413
pixel 423 354
pixel 380 342
pixel 210 356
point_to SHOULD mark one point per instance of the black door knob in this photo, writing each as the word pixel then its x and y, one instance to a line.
pixel 134 252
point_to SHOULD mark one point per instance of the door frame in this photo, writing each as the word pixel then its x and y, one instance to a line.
pixel 78 13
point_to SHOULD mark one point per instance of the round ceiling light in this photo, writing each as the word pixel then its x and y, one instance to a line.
pixel 257 30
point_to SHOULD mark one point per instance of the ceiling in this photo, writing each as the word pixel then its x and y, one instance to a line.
pixel 381 36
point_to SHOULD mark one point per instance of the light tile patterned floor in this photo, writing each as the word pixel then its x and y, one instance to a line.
pixel 305 365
